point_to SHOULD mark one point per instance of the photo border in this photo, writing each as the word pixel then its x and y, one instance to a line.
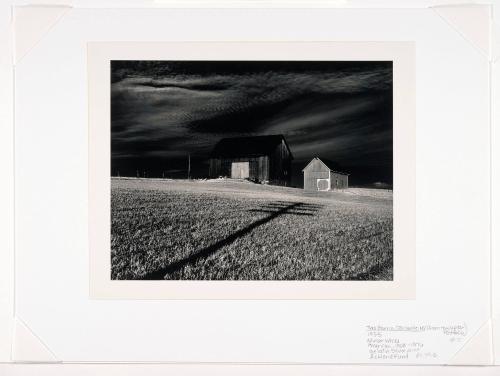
pixel 402 54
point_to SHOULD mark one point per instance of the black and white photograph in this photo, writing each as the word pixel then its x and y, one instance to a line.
pixel 252 170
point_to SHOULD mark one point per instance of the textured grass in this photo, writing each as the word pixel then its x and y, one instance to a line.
pixel 223 230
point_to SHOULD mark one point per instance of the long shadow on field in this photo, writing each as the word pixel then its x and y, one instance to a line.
pixel 274 209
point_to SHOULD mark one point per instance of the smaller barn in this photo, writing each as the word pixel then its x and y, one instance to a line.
pixel 324 176
pixel 264 159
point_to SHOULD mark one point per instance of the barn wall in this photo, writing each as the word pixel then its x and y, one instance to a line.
pixel 259 167
pixel 311 177
pixel 214 170
pixel 338 181
pixel 263 169
pixel 275 168
pixel 315 170
pixel 280 165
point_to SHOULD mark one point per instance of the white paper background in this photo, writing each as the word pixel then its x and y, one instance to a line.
pixel 51 199
pixel 241 370
pixel 495 140
pixel 7 186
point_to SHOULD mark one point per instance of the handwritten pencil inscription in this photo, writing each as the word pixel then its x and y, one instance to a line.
pixel 395 343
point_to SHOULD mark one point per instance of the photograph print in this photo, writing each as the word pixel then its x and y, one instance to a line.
pixel 252 170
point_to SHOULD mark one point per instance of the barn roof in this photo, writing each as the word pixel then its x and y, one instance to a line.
pixel 332 166
pixel 248 146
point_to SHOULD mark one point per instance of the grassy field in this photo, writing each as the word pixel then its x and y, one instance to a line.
pixel 230 230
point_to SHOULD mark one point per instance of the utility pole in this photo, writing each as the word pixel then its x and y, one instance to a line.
pixel 189 166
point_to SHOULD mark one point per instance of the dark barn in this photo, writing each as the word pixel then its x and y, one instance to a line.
pixel 264 159
pixel 318 176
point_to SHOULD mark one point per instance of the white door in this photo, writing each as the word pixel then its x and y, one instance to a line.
pixel 322 184
pixel 240 170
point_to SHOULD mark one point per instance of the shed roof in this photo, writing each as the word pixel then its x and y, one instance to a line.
pixel 332 166
pixel 248 146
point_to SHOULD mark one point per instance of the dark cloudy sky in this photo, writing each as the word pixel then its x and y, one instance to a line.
pixel 161 111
